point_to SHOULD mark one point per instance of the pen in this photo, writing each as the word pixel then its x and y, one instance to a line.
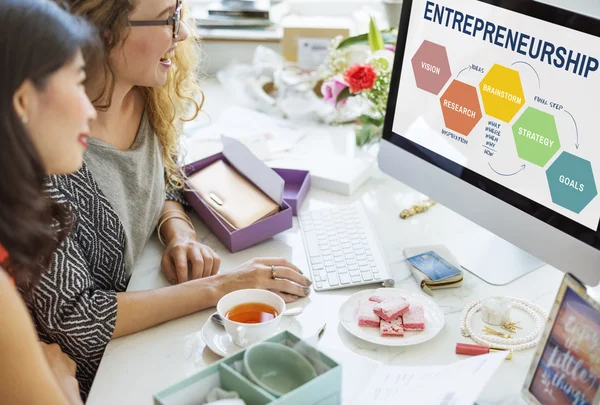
pixel 475 350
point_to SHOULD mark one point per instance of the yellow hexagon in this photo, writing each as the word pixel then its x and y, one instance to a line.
pixel 502 93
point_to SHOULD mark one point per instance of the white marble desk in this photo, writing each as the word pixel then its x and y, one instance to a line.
pixel 137 366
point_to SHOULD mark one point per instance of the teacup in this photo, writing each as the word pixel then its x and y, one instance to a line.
pixel 245 334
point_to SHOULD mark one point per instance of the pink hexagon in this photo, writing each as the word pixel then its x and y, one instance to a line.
pixel 431 67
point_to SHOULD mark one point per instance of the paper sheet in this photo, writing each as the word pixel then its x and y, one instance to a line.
pixel 456 384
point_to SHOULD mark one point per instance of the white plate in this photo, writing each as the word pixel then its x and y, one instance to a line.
pixel 434 318
pixel 219 341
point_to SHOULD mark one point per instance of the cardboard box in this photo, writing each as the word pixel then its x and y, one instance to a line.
pixel 323 390
pixel 297 184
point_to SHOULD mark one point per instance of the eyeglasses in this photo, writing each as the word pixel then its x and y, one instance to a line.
pixel 174 20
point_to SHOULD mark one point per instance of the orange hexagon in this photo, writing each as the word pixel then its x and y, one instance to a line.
pixel 460 107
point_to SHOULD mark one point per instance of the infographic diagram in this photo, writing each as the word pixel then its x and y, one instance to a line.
pixel 491 102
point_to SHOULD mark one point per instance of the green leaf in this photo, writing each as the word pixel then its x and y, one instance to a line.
pixel 367 119
pixel 344 94
pixel 389 36
pixel 375 39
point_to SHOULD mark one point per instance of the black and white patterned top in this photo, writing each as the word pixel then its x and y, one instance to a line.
pixel 75 304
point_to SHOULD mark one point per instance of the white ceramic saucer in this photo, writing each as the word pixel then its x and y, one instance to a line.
pixel 220 342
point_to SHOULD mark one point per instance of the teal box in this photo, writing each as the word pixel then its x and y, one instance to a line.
pixel 326 389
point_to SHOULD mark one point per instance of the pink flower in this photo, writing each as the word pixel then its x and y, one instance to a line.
pixel 390 47
pixel 332 88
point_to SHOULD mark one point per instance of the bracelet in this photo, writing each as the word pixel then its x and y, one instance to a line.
pixel 515 344
pixel 183 218
pixel 168 211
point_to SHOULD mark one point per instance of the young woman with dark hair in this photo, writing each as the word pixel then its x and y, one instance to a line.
pixel 44 122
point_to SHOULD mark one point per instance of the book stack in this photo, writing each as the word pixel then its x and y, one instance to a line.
pixel 241 13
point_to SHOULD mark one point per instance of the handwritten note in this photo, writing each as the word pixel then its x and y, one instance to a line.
pixel 455 384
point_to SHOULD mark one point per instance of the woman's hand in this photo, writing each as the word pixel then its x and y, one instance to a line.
pixel 274 274
pixel 63 368
pixel 184 253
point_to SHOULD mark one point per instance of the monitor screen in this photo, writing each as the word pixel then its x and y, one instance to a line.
pixel 503 96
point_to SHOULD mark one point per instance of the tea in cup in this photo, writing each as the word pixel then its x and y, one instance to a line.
pixel 251 315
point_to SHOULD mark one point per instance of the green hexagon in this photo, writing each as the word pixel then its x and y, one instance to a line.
pixel 536 136
pixel 571 182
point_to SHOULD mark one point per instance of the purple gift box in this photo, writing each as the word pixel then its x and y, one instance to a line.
pixel 297 183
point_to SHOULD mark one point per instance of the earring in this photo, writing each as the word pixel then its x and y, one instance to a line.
pixel 24 119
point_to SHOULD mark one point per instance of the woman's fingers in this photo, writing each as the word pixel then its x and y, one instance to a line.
pixel 169 269
pixel 216 262
pixel 181 264
pixel 289 274
pixel 199 263
pixel 287 297
pixel 279 261
pixel 285 286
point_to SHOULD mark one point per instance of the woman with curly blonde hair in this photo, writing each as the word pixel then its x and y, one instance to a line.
pixel 130 184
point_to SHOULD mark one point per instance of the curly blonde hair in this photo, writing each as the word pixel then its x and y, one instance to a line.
pixel 167 106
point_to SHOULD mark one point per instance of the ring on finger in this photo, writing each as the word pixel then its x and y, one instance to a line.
pixel 273 272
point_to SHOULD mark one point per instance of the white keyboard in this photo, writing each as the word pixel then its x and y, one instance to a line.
pixel 342 249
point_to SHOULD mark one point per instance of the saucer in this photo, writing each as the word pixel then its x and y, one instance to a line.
pixel 219 341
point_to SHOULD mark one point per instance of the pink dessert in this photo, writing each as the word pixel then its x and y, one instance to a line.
pixel 366 316
pixel 414 319
pixel 376 298
pixel 393 328
pixel 391 309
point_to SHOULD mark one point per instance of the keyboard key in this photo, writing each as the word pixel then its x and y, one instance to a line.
pixel 340 259
pixel 317 266
pixel 319 285
pixel 344 279
pixel 356 279
pixel 333 279
pixel 316 260
pixel 312 244
pixel 377 276
pixel 330 269
pixel 367 276
pixel 365 269
pixel 354 273
pixel 360 263
pixel 352 267
pixel 372 263
pixel 342 270
pixel 328 263
pixel 360 256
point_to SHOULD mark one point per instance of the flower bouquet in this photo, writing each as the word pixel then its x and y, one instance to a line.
pixel 360 68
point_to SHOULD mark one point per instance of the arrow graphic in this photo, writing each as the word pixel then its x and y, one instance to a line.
pixel 510 174
pixel 467 68
pixel 576 129
pixel 535 71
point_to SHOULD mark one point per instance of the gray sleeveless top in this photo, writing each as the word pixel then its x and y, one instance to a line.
pixel 133 182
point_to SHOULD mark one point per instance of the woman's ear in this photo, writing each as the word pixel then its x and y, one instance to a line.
pixel 23 99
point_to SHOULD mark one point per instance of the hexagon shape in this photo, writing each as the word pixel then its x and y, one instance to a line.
pixel 460 107
pixel 571 182
pixel 536 136
pixel 502 93
pixel 431 67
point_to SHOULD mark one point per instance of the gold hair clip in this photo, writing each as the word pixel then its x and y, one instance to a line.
pixel 490 331
pixel 417 209
pixel 511 326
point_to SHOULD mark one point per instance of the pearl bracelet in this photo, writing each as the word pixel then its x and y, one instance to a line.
pixel 515 344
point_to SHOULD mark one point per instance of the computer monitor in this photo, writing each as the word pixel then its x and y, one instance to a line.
pixel 493 112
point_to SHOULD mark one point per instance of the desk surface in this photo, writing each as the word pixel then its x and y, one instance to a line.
pixel 137 366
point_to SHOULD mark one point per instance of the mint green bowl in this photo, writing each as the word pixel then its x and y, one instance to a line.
pixel 277 368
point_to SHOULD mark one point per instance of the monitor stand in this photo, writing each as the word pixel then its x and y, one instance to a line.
pixel 491 258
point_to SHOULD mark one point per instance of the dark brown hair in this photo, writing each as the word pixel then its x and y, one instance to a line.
pixel 37 38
